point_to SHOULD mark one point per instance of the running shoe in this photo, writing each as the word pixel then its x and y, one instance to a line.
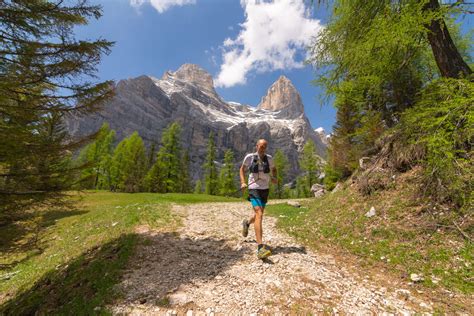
pixel 263 252
pixel 245 228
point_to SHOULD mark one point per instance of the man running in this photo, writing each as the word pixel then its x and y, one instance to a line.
pixel 259 166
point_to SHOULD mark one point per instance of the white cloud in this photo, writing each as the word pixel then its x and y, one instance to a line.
pixel 270 37
pixel 161 5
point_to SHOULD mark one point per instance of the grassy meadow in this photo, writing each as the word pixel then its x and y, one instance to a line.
pixel 67 261
pixel 401 238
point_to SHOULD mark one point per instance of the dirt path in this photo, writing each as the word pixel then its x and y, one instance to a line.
pixel 208 268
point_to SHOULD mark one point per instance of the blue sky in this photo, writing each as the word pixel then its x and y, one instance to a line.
pixel 151 42
pixel 245 46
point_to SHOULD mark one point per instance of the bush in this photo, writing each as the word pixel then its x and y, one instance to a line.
pixel 332 176
pixel 442 124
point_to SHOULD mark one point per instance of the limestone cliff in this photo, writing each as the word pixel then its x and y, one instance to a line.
pixel 148 105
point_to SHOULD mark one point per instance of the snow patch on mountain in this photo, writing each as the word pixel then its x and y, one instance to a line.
pixel 322 133
pixel 236 113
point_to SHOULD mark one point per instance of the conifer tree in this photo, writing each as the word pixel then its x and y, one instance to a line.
pixel 342 149
pixel 104 179
pixel 135 168
pixel 166 174
pixel 210 170
pixel 381 54
pixel 302 190
pixel 310 164
pixel 198 187
pixel 45 75
pixel 151 182
pixel 185 178
pixel 117 164
pixel 151 155
pixel 281 164
pixel 96 157
pixel 129 164
pixel 227 175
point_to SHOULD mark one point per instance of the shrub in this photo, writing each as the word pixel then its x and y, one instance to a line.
pixel 442 124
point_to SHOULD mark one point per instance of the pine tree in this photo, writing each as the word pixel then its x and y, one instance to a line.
pixel 185 178
pixel 117 164
pixel 151 155
pixel 385 61
pixel 152 179
pixel 343 152
pixel 211 178
pixel 281 164
pixel 129 164
pixel 227 175
pixel 96 157
pixel 198 187
pixel 45 75
pixel 135 167
pixel 167 172
pixel 310 164
pixel 302 190
pixel 105 177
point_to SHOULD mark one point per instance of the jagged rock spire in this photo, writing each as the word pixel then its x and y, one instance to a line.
pixel 283 96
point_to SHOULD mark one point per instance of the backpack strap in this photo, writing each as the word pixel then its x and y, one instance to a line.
pixel 254 166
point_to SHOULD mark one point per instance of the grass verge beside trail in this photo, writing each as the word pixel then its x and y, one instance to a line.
pixel 401 237
pixel 68 261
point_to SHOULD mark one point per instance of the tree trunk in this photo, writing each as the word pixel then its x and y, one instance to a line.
pixel 448 58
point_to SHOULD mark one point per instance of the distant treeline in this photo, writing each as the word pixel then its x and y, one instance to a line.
pixel 131 167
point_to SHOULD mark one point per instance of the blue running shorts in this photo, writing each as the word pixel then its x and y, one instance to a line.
pixel 258 197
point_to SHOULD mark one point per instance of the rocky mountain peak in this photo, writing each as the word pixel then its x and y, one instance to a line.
pixel 148 105
pixel 322 134
pixel 283 96
pixel 194 74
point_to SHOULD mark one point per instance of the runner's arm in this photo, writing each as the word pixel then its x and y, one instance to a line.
pixel 243 183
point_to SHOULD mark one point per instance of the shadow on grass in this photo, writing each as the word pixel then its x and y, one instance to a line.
pixel 161 263
pixel 21 235
pixel 77 287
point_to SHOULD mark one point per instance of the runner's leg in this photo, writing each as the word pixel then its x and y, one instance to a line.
pixel 258 218
pixel 252 219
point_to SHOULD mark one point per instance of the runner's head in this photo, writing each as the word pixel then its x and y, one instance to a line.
pixel 261 146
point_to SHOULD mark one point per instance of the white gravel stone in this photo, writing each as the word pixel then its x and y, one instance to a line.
pixel 371 212
pixel 416 277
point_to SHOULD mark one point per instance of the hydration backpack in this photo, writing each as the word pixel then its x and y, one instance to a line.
pixel 255 163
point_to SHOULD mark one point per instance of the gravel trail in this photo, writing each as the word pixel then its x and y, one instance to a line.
pixel 208 268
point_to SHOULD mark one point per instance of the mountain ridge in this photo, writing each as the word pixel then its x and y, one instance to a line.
pixel 148 105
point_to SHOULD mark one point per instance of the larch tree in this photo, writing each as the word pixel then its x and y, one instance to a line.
pixel 185 178
pixel 227 175
pixel 211 180
pixel 310 164
pixel 281 164
pixel 96 158
pixel 128 166
pixel 166 173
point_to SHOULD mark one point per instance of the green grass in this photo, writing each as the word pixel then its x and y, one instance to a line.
pixel 399 237
pixel 67 261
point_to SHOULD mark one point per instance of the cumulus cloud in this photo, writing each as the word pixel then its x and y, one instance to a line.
pixel 161 5
pixel 270 39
